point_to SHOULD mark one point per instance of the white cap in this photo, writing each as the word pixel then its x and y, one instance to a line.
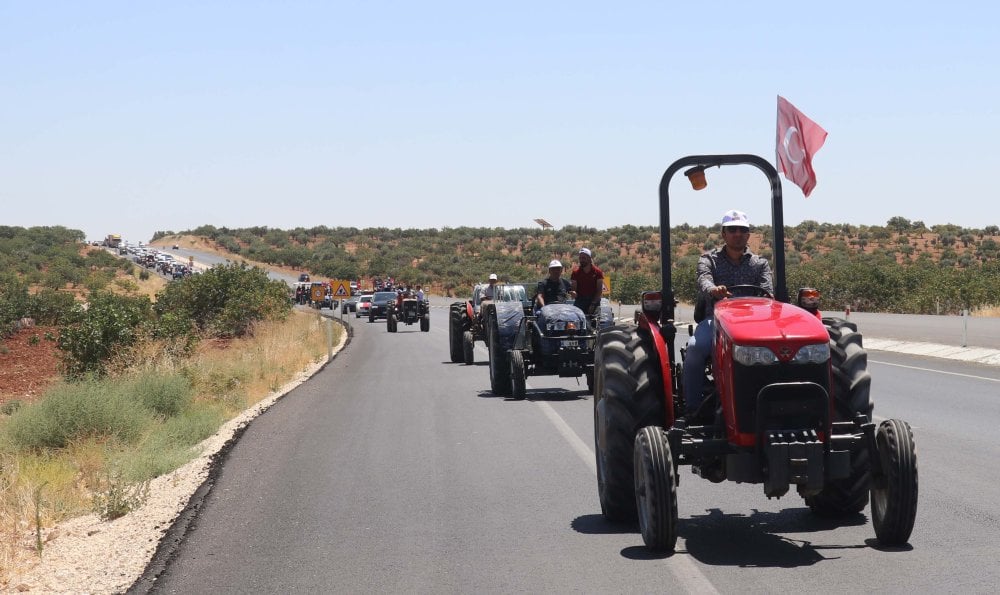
pixel 585 251
pixel 555 264
pixel 735 219
pixel 493 277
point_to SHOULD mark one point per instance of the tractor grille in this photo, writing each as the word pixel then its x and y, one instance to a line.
pixel 748 380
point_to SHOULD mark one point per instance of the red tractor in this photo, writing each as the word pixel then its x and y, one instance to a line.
pixel 790 397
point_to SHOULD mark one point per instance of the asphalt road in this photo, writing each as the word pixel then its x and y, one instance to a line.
pixel 394 470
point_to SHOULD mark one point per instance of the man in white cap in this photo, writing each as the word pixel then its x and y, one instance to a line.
pixel 588 282
pixel 552 289
pixel 490 292
pixel 718 269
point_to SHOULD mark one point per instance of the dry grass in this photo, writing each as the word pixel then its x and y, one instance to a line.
pixel 232 375
pixel 990 312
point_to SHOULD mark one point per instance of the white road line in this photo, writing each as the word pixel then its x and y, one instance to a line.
pixel 937 371
pixel 689 578
pixel 579 446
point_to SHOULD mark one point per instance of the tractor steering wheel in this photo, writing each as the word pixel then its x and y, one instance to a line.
pixel 748 290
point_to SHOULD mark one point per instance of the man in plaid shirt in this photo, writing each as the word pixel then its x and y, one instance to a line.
pixel 732 264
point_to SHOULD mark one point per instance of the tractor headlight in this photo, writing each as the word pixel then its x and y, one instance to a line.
pixel 813 354
pixel 754 356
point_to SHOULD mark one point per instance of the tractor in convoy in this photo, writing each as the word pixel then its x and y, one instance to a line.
pixel 467 320
pixel 789 402
pixel 408 310
pixel 554 340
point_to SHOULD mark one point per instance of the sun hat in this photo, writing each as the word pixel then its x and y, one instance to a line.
pixel 734 218
pixel 493 277
pixel 585 251
pixel 555 264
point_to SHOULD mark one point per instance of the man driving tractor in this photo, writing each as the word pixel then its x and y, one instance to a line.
pixel 731 264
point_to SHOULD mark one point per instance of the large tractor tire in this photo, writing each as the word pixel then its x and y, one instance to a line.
pixel 468 348
pixel 655 489
pixel 455 327
pixel 628 396
pixel 499 361
pixel 851 396
pixel 518 385
pixel 894 499
pixel 425 323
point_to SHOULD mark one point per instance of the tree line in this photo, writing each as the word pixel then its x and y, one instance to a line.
pixel 903 266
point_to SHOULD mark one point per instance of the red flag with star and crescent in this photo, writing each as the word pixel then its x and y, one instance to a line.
pixel 799 138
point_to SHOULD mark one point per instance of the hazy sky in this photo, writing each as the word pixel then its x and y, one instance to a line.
pixel 132 117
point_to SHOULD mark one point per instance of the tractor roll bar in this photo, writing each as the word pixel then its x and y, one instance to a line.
pixel 777 221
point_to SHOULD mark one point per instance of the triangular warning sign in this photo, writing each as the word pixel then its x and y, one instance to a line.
pixel 341 290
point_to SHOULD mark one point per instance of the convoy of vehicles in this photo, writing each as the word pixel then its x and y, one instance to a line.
pixel 789 404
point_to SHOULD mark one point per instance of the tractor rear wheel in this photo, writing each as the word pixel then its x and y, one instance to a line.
pixel 851 396
pixel 468 348
pixel 894 498
pixel 425 323
pixel 499 362
pixel 655 489
pixel 455 315
pixel 628 396
pixel 517 374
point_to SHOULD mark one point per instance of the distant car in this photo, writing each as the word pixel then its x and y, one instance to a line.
pixel 363 306
pixel 176 247
pixel 350 304
pixel 304 278
pixel 380 304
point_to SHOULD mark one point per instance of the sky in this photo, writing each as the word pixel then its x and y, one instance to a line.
pixel 134 117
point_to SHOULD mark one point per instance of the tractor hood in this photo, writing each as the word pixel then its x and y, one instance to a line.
pixel 763 321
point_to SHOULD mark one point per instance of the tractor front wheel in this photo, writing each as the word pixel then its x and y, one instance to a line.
pixel 455 315
pixel 468 348
pixel 655 489
pixel 628 396
pixel 425 323
pixel 894 496
pixel 851 396
pixel 517 374
pixel 499 366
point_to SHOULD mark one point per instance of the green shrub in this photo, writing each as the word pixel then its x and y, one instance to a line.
pixel 144 274
pixel 165 395
pixel 51 307
pixel 14 302
pixel 169 444
pixel 10 407
pixel 69 412
pixel 109 322
pixel 119 498
pixel 224 301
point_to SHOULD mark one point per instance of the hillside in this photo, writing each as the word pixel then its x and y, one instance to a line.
pixel 903 266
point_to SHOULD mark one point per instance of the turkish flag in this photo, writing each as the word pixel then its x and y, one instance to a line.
pixel 798 140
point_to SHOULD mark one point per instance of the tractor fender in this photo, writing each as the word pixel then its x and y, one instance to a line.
pixel 663 358
pixel 469 311
pixel 509 315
